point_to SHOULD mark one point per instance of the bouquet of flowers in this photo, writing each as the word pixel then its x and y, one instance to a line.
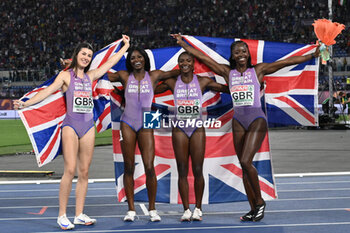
pixel 326 31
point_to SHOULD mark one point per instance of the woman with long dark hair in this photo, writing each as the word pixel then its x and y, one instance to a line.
pixel 78 133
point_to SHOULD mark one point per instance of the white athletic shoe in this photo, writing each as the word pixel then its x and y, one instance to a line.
pixel 64 222
pixel 154 216
pixel 197 214
pixel 83 219
pixel 186 216
pixel 130 216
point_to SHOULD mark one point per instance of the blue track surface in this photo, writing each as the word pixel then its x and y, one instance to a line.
pixel 305 204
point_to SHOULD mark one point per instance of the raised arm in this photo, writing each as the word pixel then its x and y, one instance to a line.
pixel 97 73
pixel 120 76
pixel 41 95
pixel 168 84
pixel 269 68
pixel 212 85
pixel 159 75
pixel 65 63
pixel 114 77
pixel 163 87
pixel 220 69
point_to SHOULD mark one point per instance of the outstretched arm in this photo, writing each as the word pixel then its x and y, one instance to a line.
pixel 161 88
pixel 65 63
pixel 168 74
pixel 220 69
pixel 214 86
pixel 119 76
pixel 114 77
pixel 168 84
pixel 97 73
pixel 159 75
pixel 269 68
pixel 57 84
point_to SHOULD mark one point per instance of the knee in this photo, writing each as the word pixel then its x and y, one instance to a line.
pixel 149 171
pixel 129 169
pixel 182 170
pixel 197 171
pixel 245 165
pixel 244 176
pixel 69 172
pixel 84 174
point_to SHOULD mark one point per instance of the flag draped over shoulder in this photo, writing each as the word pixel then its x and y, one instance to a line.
pixel 43 120
pixel 290 99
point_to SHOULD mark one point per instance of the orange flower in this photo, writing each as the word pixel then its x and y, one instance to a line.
pixel 327 31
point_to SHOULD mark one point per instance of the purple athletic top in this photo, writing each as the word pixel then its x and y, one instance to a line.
pixel 138 98
pixel 79 104
pixel 188 103
pixel 245 93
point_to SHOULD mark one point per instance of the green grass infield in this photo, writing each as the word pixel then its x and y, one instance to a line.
pixel 14 138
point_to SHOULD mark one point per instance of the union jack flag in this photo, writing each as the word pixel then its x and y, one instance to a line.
pixel 222 171
pixel 43 120
pixel 291 102
pixel 290 93
pixel 43 123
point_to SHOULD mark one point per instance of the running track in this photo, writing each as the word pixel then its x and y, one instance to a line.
pixel 314 203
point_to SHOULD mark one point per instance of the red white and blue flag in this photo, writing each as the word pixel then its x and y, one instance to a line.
pixel 290 97
pixel 290 100
pixel 43 123
pixel 221 170
pixel 290 93
pixel 43 120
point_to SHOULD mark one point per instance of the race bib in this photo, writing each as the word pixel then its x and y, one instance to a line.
pixel 188 109
pixel 82 102
pixel 242 95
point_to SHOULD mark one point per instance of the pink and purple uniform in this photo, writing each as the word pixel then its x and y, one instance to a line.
pixel 188 104
pixel 245 93
pixel 138 98
pixel 79 104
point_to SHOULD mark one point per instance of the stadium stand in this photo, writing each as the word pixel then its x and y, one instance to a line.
pixel 35 34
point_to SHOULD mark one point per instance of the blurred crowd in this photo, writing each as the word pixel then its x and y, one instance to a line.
pixel 35 34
